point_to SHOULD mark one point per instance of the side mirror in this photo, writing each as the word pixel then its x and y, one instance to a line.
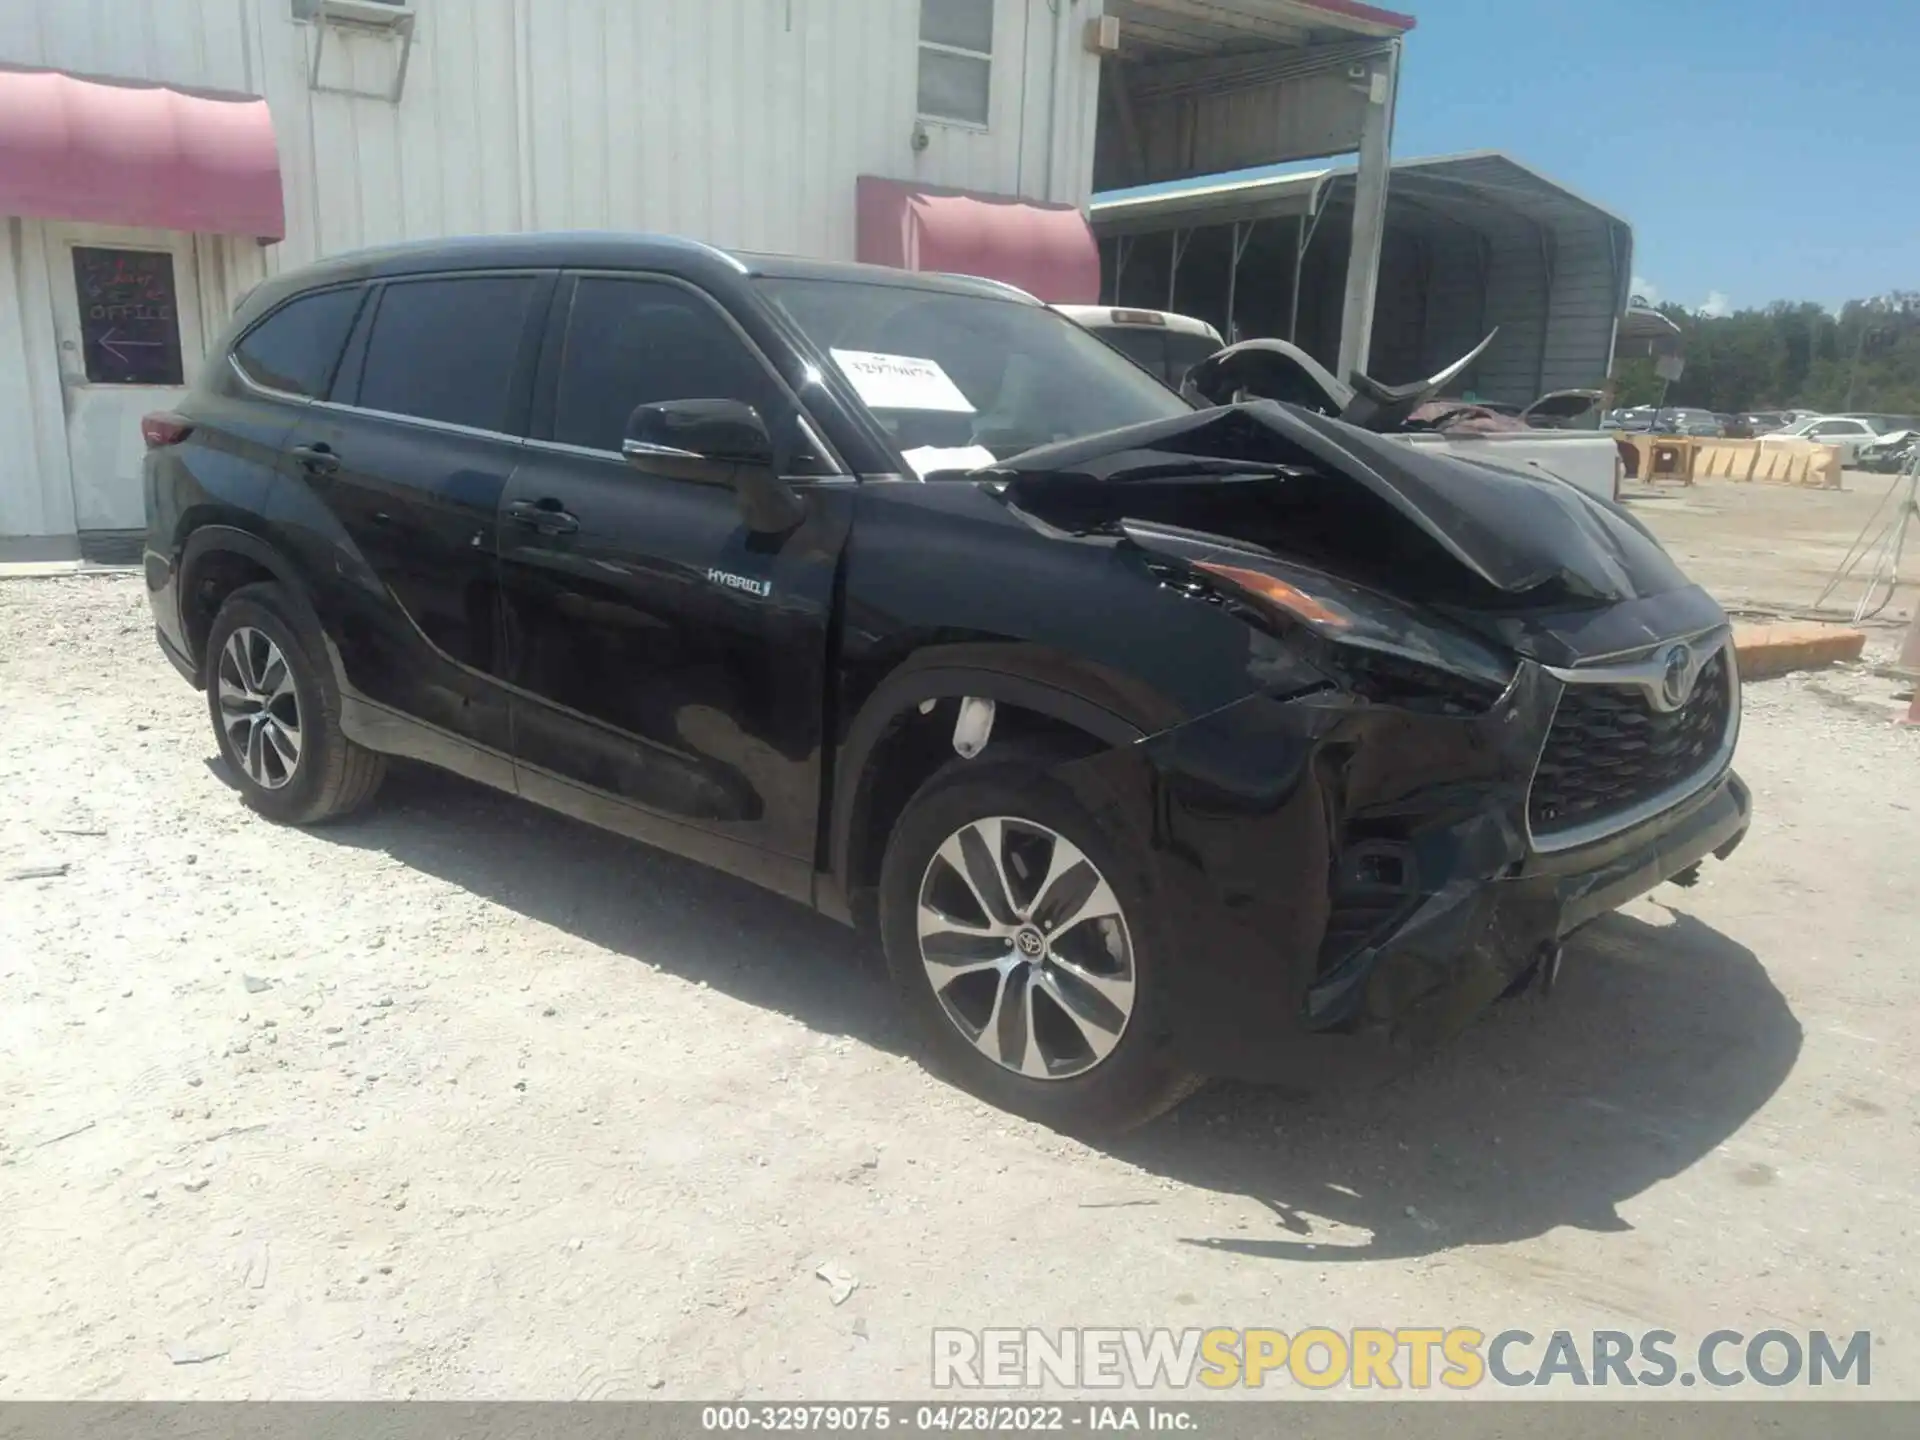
pixel 715 442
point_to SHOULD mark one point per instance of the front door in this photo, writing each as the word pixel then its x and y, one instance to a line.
pixel 665 659
pixel 127 318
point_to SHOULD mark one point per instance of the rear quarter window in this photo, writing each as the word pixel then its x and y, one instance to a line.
pixel 296 348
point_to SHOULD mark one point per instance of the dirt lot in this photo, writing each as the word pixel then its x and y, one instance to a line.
pixel 461 1099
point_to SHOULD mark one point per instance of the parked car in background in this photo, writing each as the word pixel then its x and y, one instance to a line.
pixel 1846 433
pixel 1735 427
pixel 1666 420
pixel 1155 741
pixel 1889 453
pixel 1881 424
pixel 1684 421
pixel 1165 344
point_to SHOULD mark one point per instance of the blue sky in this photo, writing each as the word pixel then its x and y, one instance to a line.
pixel 1761 149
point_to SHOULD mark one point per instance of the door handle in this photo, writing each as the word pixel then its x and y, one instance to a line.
pixel 317 459
pixel 544 516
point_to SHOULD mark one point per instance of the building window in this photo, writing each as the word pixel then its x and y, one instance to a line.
pixel 310 9
pixel 956 59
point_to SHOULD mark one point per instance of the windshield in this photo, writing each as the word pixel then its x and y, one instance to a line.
pixel 959 381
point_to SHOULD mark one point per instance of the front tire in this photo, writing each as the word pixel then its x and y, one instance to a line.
pixel 1021 935
pixel 276 713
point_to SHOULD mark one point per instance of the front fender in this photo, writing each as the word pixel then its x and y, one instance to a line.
pixel 1109 708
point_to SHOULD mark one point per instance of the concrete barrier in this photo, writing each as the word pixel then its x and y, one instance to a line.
pixel 1725 460
pixel 1765 651
pixel 1664 459
pixel 1682 460
pixel 1791 462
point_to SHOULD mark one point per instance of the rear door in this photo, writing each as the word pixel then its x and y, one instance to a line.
pixel 409 457
pixel 668 663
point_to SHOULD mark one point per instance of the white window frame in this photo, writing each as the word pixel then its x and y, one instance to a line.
pixel 923 45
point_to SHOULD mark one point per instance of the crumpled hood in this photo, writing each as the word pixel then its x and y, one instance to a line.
pixel 1514 530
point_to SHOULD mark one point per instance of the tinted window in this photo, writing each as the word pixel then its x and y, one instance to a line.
pixel 447 349
pixel 295 348
pixel 1026 375
pixel 1144 347
pixel 638 342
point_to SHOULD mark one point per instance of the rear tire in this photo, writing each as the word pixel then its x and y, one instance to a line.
pixel 1047 999
pixel 276 712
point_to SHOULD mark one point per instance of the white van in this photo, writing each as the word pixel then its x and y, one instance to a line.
pixel 1167 345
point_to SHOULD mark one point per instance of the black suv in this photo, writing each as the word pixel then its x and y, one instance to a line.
pixel 1158 740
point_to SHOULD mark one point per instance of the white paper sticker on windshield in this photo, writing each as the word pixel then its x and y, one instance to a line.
pixel 929 458
pixel 901 382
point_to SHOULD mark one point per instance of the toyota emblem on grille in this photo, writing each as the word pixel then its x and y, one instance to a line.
pixel 1676 680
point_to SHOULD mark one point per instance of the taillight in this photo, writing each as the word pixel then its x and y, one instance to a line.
pixel 163 428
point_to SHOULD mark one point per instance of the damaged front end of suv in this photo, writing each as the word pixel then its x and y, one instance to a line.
pixel 1482 709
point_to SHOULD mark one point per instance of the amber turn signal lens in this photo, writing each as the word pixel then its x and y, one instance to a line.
pixel 1276 592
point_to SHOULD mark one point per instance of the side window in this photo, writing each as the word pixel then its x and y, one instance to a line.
pixel 296 348
pixel 447 349
pixel 639 342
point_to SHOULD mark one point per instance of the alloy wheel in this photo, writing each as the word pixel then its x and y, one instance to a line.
pixel 1026 948
pixel 259 707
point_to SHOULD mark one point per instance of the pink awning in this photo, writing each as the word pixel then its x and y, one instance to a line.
pixel 1047 250
pixel 130 153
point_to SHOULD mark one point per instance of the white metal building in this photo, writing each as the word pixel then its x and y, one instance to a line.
pixel 158 157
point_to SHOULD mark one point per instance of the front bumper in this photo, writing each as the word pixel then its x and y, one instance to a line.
pixel 1460 950
pixel 1342 886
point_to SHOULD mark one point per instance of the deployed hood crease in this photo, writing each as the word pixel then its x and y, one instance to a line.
pixel 1515 530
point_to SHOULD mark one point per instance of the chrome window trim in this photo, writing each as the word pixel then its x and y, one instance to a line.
pixel 268 391
pixel 1635 673
pixel 588 452
pixel 445 427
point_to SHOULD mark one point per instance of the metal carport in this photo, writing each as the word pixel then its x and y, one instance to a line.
pixel 1471 243
pixel 1198 87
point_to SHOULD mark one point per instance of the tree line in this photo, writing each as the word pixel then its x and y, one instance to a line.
pixel 1790 355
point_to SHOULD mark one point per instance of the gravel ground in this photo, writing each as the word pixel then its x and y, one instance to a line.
pixel 461 1099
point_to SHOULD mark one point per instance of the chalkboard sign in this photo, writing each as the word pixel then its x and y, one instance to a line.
pixel 129 316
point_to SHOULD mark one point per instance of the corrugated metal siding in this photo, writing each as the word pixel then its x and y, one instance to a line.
pixel 1587 300
pixel 739 121
pixel 36 497
pixel 742 122
pixel 1516 307
pixel 1258 125
pixel 1455 313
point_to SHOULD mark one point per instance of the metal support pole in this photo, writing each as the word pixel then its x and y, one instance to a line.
pixel 1180 239
pixel 1369 217
pixel 1233 280
pixel 1122 247
pixel 1549 266
pixel 1240 241
pixel 1302 237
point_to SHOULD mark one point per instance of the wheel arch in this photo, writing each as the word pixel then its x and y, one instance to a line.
pixel 218 560
pixel 891 747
